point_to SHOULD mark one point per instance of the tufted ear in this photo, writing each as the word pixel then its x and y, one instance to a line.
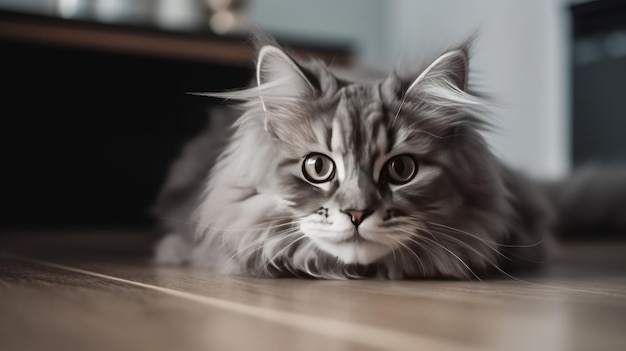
pixel 449 72
pixel 440 91
pixel 279 77
pixel 282 86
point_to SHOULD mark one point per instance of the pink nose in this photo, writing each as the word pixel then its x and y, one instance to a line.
pixel 357 216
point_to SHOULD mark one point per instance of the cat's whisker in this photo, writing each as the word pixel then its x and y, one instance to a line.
pixel 413 238
pixel 256 226
pixel 247 250
pixel 412 252
pixel 286 216
pixel 482 255
pixel 242 253
pixel 412 224
pixel 488 260
pixel 490 245
pixel 258 244
pixel 245 253
pixel 291 225
pixel 271 260
pixel 486 241
pixel 487 244
pixel 461 242
pixel 417 223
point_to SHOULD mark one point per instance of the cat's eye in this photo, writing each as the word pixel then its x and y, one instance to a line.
pixel 400 169
pixel 318 168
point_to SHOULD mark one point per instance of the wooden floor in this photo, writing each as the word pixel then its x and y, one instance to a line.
pixel 98 291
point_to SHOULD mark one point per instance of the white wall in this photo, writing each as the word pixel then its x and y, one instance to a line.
pixel 520 58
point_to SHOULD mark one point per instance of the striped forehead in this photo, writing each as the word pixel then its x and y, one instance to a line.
pixel 359 133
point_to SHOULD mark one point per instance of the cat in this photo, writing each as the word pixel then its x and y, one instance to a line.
pixel 328 178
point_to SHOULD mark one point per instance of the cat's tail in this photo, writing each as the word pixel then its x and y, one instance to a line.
pixel 591 202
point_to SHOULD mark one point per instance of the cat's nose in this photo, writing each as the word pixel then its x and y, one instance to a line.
pixel 357 216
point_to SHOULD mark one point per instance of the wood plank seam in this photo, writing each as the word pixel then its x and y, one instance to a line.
pixel 365 335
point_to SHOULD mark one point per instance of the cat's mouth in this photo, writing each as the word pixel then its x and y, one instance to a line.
pixel 356 238
pixel 347 242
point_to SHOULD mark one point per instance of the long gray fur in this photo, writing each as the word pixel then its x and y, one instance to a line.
pixel 464 215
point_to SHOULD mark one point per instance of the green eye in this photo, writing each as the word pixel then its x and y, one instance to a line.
pixel 318 168
pixel 401 169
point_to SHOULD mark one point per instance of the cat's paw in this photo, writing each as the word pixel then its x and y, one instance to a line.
pixel 173 249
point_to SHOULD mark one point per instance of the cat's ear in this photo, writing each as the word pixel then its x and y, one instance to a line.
pixel 441 90
pixel 449 72
pixel 278 75
pixel 282 86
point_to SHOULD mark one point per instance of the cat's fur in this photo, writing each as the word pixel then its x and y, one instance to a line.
pixel 462 215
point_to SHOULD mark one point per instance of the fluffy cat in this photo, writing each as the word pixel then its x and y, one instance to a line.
pixel 327 178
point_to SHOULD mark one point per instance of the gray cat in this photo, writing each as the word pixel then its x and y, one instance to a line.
pixel 326 178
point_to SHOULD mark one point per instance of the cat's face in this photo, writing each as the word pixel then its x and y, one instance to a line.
pixel 369 169
pixel 366 180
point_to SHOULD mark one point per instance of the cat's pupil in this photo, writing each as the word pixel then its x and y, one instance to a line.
pixel 398 166
pixel 319 165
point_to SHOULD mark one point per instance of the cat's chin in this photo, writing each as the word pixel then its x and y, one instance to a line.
pixel 361 252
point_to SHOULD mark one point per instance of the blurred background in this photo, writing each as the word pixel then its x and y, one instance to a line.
pixel 93 102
